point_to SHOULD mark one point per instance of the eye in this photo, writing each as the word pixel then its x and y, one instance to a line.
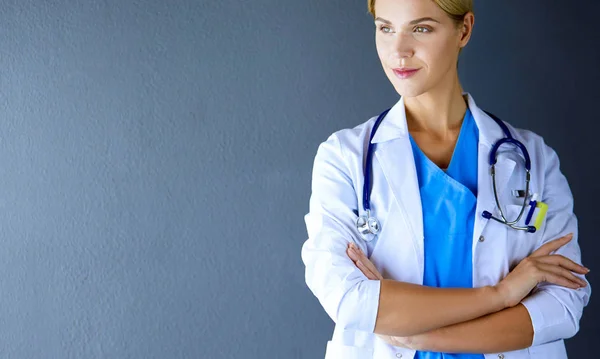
pixel 385 29
pixel 422 29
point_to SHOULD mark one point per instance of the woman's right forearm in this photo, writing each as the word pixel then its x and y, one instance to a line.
pixel 407 309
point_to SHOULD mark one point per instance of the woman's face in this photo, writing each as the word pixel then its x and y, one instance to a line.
pixel 418 44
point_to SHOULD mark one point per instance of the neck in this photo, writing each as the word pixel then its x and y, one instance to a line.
pixel 438 112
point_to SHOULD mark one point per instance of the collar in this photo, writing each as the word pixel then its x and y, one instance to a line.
pixel 394 125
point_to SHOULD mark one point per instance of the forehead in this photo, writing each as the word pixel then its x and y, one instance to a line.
pixel 404 11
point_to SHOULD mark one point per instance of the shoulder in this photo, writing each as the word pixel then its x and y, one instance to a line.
pixel 534 142
pixel 545 162
pixel 351 142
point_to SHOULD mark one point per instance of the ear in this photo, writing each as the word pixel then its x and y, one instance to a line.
pixel 466 29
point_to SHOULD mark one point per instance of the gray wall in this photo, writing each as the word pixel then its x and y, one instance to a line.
pixel 155 161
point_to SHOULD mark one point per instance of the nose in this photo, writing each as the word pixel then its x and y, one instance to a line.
pixel 403 47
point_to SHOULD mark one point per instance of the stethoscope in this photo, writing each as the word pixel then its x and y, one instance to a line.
pixel 368 226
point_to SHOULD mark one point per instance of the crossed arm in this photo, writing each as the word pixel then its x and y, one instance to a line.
pixel 504 330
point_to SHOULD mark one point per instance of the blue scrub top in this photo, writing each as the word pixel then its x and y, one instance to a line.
pixel 448 201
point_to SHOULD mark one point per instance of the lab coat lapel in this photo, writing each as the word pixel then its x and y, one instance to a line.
pixel 393 153
pixel 489 133
pixel 485 190
pixel 396 160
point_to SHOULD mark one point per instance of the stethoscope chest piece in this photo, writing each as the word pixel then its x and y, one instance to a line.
pixel 368 226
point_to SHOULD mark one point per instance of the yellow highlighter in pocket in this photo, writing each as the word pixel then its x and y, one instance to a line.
pixel 543 209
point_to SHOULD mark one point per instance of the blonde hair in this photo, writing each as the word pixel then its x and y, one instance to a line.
pixel 455 9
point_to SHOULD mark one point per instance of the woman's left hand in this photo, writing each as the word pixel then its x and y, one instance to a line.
pixel 370 271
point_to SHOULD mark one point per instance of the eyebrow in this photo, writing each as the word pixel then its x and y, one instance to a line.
pixel 414 22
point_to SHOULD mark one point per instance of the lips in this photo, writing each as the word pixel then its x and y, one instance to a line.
pixel 405 72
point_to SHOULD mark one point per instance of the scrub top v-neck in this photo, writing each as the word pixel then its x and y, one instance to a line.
pixel 449 199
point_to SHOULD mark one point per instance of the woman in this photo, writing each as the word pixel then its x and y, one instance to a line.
pixel 440 276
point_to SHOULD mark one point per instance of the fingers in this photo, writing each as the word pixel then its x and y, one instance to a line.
pixel 562 281
pixel 552 246
pixel 367 263
pixel 557 259
pixel 352 253
pixel 363 263
pixel 356 258
pixel 366 270
pixel 555 273
pixel 388 339
pixel 403 342
pixel 558 269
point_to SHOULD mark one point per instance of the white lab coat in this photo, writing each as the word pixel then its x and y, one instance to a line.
pixel 351 300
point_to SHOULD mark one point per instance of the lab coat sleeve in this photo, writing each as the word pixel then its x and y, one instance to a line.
pixel 348 297
pixel 554 310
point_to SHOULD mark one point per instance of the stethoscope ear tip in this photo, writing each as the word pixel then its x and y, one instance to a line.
pixel 486 215
pixel 531 229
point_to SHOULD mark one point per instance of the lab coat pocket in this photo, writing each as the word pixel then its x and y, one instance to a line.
pixel 520 244
pixel 337 350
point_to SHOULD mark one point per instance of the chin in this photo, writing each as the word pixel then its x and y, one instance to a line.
pixel 412 87
pixel 409 91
